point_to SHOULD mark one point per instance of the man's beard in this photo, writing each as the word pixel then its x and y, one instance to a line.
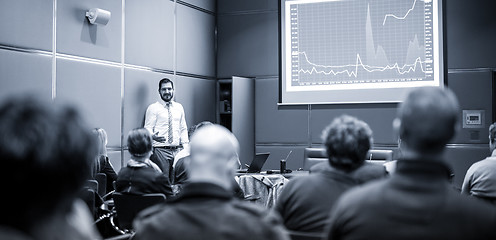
pixel 166 97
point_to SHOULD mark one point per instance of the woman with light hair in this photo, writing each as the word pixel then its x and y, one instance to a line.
pixel 102 163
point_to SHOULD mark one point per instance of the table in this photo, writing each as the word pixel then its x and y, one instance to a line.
pixel 263 188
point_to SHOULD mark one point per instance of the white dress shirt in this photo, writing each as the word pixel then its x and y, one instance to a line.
pixel 157 120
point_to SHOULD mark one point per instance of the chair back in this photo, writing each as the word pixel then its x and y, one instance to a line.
pixel 379 156
pixel 88 196
pixel 314 156
pixel 92 184
pixel 101 178
pixel 128 206
pixel 318 155
pixel 305 236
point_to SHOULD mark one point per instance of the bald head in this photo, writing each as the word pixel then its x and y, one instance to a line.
pixel 214 151
pixel 428 119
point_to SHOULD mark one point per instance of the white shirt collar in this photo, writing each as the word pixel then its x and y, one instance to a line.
pixel 164 103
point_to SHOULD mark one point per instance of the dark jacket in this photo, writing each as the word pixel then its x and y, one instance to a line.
pixel 103 166
pixel 142 179
pixel 305 202
pixel 417 202
pixel 367 172
pixel 180 174
pixel 208 211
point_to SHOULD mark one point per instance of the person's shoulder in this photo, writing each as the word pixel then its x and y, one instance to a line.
pixel 154 106
pixel 308 179
pixel 370 191
pixel 177 104
pixel 255 212
pixel 482 164
pixel 248 208
pixel 155 214
pixel 370 166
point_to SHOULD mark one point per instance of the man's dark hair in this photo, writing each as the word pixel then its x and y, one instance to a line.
pixel 139 142
pixel 46 153
pixel 428 119
pixel 192 129
pixel 347 141
pixel 164 81
pixel 492 133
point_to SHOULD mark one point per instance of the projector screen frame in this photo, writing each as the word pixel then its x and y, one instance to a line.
pixel 443 71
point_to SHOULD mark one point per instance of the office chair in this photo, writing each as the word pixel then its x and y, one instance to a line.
pixel 101 178
pixel 317 155
pixel 92 184
pixel 88 196
pixel 127 206
pixel 314 156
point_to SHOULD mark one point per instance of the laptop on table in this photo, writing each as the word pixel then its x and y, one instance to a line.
pixel 256 164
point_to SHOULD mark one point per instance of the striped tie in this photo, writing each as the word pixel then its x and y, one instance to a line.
pixel 170 137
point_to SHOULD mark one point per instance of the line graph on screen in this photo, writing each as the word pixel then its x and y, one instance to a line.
pixel 354 42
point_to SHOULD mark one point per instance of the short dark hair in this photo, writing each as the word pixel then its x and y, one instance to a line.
pixel 164 81
pixel 47 152
pixel 492 133
pixel 192 129
pixel 347 141
pixel 139 142
pixel 428 119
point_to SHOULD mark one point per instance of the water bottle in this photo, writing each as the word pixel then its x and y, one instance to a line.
pixel 283 166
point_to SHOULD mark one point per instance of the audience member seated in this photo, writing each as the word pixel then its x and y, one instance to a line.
pixel 46 152
pixel 480 180
pixel 182 159
pixel 180 175
pixel 206 209
pixel 305 202
pixel 141 175
pixel 417 201
pixel 102 163
pixel 365 173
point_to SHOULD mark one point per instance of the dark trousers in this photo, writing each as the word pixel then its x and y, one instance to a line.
pixel 164 158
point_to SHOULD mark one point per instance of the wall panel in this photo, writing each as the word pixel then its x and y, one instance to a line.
pixel 228 6
pixel 470 34
pixel 150 33
pixel 75 35
pixel 195 41
pixel 24 73
pixel 473 96
pixel 205 4
pixel 277 124
pixel 197 97
pixel 247 45
pixel 96 89
pixel 17 16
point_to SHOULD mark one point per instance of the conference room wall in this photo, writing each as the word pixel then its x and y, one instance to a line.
pixel 33 74
pixel 90 63
pixel 141 89
pixel 248 46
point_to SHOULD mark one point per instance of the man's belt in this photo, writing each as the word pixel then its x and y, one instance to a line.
pixel 170 147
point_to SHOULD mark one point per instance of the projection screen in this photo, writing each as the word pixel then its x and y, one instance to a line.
pixel 358 51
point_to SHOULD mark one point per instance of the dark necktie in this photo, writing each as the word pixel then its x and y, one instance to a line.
pixel 170 137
